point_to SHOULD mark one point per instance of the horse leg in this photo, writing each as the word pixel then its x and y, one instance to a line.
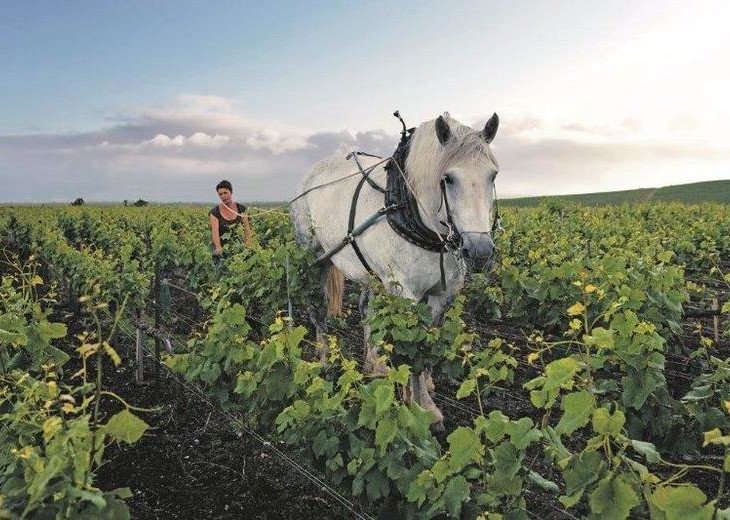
pixel 317 316
pixel 421 387
pixel 372 363
pixel 428 381
pixel 332 283
pixel 417 390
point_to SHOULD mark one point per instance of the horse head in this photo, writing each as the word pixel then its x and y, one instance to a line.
pixel 453 170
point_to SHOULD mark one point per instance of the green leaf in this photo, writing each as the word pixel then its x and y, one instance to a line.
pixel 600 338
pixel 51 331
pixel 178 363
pixel 576 309
pixel 464 448
pixel 401 375
pixel 115 510
pixel 715 436
pixel 494 427
pixel 699 393
pixel 647 449
pixel 682 503
pixel 441 470
pixel 385 433
pixel 58 356
pixel 419 487
pixel 12 337
pixel 521 433
pixel 95 497
pixel 578 407
pixel 122 492
pixel 560 373
pixel 125 426
pixel 665 256
pixel 607 424
pixel 322 445
pixel 245 384
pixel 613 498
pixel 583 470
pixel 384 397
pixel 542 482
pixel 378 485
pixel 466 388
pixel 457 492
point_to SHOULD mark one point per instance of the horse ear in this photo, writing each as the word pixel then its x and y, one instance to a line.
pixel 490 129
pixel 443 132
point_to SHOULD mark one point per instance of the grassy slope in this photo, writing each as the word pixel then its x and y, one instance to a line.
pixel 714 191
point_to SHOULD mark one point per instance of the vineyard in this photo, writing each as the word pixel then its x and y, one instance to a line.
pixel 587 375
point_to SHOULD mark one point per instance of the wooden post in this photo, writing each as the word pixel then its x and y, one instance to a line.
pixel 716 320
pixel 113 336
pixel 288 295
pixel 158 296
pixel 139 354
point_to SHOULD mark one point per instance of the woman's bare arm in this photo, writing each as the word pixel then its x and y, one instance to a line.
pixel 217 248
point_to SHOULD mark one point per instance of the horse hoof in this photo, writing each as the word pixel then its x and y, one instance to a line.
pixel 437 427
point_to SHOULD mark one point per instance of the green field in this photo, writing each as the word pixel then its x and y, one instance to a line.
pixel 713 191
pixel 588 369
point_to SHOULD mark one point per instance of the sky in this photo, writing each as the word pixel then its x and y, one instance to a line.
pixel 160 100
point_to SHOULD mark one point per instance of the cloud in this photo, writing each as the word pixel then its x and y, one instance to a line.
pixel 177 152
pixel 162 140
pixel 197 139
pixel 180 151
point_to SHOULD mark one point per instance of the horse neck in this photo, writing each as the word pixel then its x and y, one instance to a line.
pixel 428 194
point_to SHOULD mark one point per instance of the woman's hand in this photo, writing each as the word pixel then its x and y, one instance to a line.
pixel 217 251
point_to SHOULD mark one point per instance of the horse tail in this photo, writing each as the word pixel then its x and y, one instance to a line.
pixel 335 289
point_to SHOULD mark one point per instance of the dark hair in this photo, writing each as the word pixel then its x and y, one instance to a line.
pixel 224 184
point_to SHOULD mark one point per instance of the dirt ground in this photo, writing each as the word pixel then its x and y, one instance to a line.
pixel 191 463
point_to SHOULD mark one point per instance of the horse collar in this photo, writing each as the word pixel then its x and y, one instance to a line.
pixel 406 219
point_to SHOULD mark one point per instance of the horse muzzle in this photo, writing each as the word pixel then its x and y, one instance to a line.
pixel 478 250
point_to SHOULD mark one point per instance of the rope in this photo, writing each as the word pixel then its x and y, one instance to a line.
pixel 264 212
pixel 169 283
pixel 366 170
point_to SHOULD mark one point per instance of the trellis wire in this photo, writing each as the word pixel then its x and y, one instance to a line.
pixel 262 440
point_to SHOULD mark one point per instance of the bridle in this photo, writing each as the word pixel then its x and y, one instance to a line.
pixel 453 237
pixel 454 240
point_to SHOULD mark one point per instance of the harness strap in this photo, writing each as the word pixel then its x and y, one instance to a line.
pixel 453 239
pixel 372 219
pixel 366 175
pixel 351 221
pixel 441 268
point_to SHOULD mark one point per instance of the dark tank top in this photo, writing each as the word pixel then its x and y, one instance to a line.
pixel 225 225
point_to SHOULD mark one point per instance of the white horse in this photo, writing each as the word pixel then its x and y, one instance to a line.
pixel 451 171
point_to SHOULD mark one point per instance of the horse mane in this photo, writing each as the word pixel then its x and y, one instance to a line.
pixel 428 159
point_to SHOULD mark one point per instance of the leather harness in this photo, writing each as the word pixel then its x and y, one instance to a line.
pixel 401 209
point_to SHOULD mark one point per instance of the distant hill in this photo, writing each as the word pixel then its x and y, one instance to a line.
pixel 713 191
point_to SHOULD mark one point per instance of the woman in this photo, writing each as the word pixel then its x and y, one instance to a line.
pixel 224 217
